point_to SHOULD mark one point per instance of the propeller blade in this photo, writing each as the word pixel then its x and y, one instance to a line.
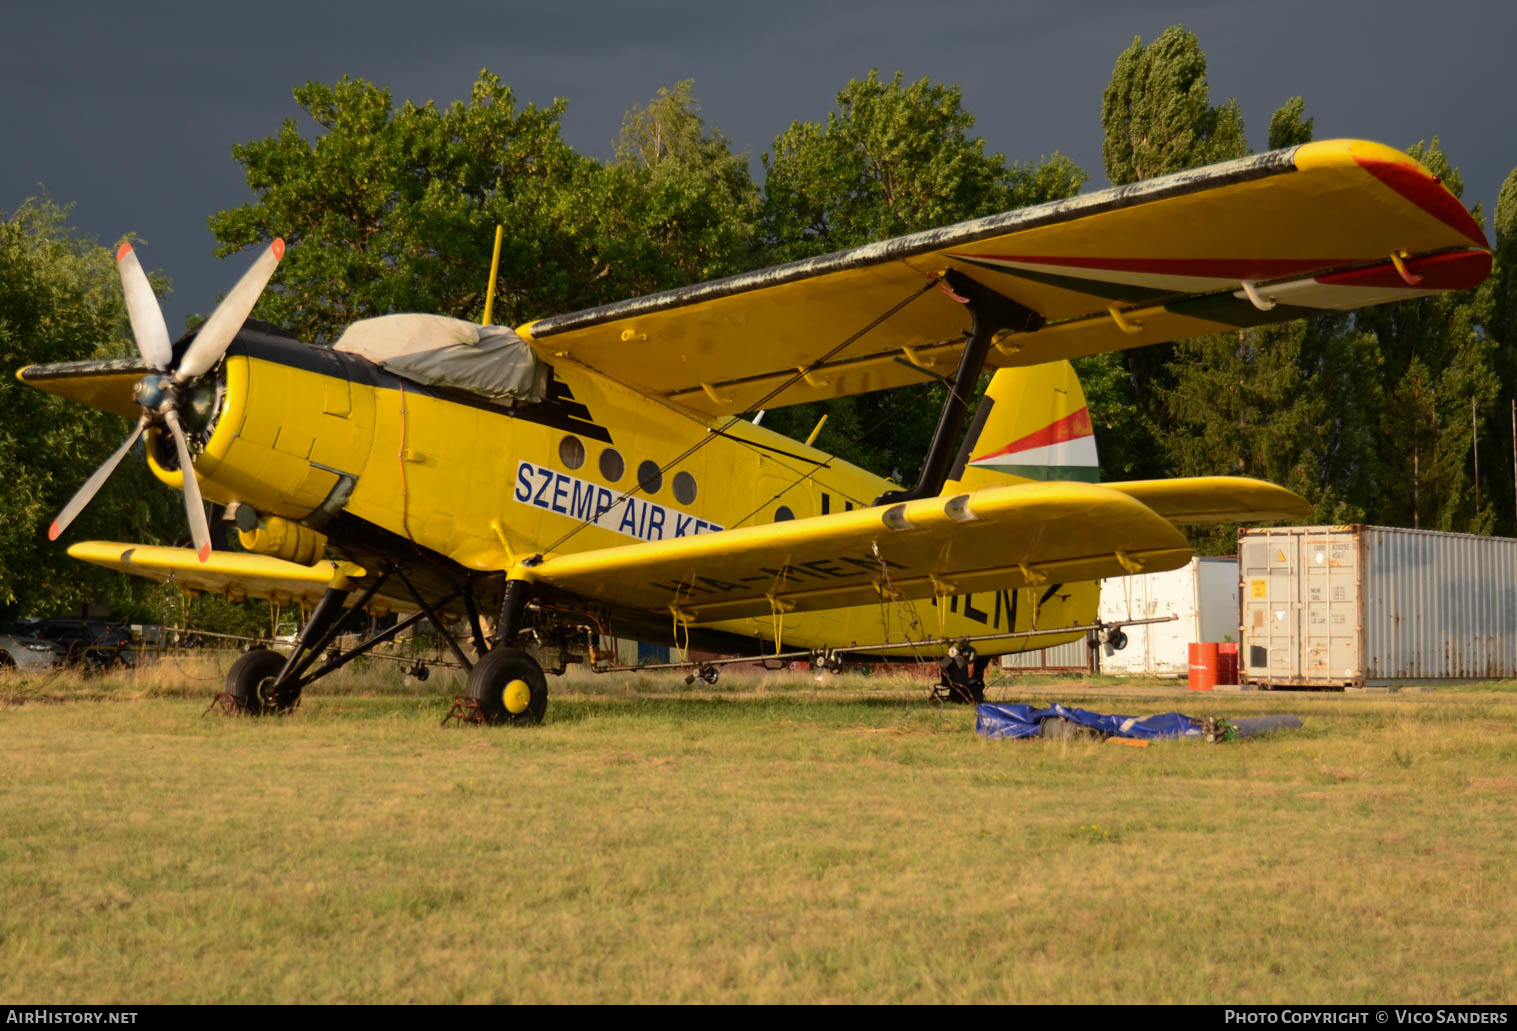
pixel 148 327
pixel 193 506
pixel 92 485
pixel 220 329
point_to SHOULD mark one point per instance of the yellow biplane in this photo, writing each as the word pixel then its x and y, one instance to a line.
pixel 596 473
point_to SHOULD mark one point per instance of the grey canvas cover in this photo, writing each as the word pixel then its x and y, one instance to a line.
pixel 491 361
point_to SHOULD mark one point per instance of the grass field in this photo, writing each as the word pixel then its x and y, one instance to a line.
pixel 767 840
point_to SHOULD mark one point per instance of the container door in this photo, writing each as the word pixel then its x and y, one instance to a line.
pixel 1271 625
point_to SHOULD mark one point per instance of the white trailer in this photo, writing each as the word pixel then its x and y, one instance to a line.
pixel 1203 593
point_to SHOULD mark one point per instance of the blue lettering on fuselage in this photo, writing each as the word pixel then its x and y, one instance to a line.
pixel 579 499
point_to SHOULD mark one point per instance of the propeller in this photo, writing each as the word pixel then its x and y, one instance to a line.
pixel 166 391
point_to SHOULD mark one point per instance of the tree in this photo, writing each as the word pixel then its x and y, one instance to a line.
pixel 394 210
pixel 891 159
pixel 1287 127
pixel 686 209
pixel 1497 447
pixel 1439 370
pixel 59 301
pixel 1156 111
pixel 1157 118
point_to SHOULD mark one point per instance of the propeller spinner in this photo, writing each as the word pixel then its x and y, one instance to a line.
pixel 165 392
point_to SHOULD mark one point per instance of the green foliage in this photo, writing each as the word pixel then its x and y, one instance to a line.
pixel 1156 111
pixel 1157 118
pixel 891 159
pixel 1287 127
pixel 1497 447
pixel 683 207
pixel 59 301
pixel 394 210
pixel 1439 372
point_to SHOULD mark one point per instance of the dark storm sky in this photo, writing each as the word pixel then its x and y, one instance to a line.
pixel 129 111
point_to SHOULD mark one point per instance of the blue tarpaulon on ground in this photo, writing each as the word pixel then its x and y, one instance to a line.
pixel 1025 721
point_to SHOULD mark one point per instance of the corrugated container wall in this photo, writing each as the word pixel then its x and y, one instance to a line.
pixel 1338 606
pixel 1073 657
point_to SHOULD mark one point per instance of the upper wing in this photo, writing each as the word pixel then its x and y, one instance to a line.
pixel 1000 537
pixel 1256 240
pixel 234 574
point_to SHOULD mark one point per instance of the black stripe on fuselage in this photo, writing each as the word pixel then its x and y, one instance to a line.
pixel 559 411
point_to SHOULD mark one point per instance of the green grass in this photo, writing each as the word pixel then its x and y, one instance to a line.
pixel 769 839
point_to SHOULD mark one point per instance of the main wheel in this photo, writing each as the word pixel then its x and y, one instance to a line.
pixel 250 679
pixel 509 686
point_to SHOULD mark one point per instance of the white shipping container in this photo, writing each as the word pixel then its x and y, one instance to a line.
pixel 1203 593
pixel 1346 606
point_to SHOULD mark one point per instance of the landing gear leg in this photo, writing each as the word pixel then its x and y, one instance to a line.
pixel 961 675
pixel 264 681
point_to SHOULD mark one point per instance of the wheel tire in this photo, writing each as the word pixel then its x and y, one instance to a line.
pixel 496 682
pixel 248 680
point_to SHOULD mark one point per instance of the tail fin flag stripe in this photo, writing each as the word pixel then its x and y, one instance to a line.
pixel 1072 427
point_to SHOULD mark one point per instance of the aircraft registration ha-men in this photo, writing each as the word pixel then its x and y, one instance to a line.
pixel 595 473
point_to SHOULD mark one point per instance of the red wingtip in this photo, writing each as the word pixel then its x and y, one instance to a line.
pixel 205 551
pixel 123 250
pixel 278 248
pixel 53 531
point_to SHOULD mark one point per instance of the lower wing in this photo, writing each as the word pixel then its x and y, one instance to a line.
pixel 999 537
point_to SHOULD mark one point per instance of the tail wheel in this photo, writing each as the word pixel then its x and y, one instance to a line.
pixel 251 679
pixel 510 687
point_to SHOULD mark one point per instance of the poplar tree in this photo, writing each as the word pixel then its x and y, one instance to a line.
pixel 1157 118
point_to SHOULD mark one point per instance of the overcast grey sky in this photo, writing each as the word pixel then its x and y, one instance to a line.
pixel 129 110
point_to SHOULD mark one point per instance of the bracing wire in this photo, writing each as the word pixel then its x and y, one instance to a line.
pixel 800 374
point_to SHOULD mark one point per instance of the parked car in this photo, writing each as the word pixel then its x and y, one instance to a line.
pixel 26 653
pixel 92 643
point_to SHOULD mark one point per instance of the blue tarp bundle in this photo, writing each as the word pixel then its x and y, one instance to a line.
pixel 1025 721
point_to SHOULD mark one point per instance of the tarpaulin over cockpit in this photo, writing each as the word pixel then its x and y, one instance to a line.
pixel 488 361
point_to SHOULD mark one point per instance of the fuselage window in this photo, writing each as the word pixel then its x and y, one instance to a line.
pixel 611 464
pixel 571 452
pixel 650 477
pixel 782 513
pixel 684 488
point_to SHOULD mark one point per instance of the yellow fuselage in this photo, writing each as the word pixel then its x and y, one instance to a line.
pixel 485 485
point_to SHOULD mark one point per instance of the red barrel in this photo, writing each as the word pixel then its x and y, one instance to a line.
pixel 1227 662
pixel 1203 666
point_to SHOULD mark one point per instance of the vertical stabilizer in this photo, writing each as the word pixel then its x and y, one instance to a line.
pixel 1032 425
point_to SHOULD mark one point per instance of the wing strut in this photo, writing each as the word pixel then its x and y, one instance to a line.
pixel 992 313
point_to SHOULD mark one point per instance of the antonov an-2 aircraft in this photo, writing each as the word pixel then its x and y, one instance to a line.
pixel 593 473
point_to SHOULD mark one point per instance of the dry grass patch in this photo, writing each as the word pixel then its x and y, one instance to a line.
pixel 775 840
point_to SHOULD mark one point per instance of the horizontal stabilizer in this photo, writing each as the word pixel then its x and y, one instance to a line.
pixel 1216 499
